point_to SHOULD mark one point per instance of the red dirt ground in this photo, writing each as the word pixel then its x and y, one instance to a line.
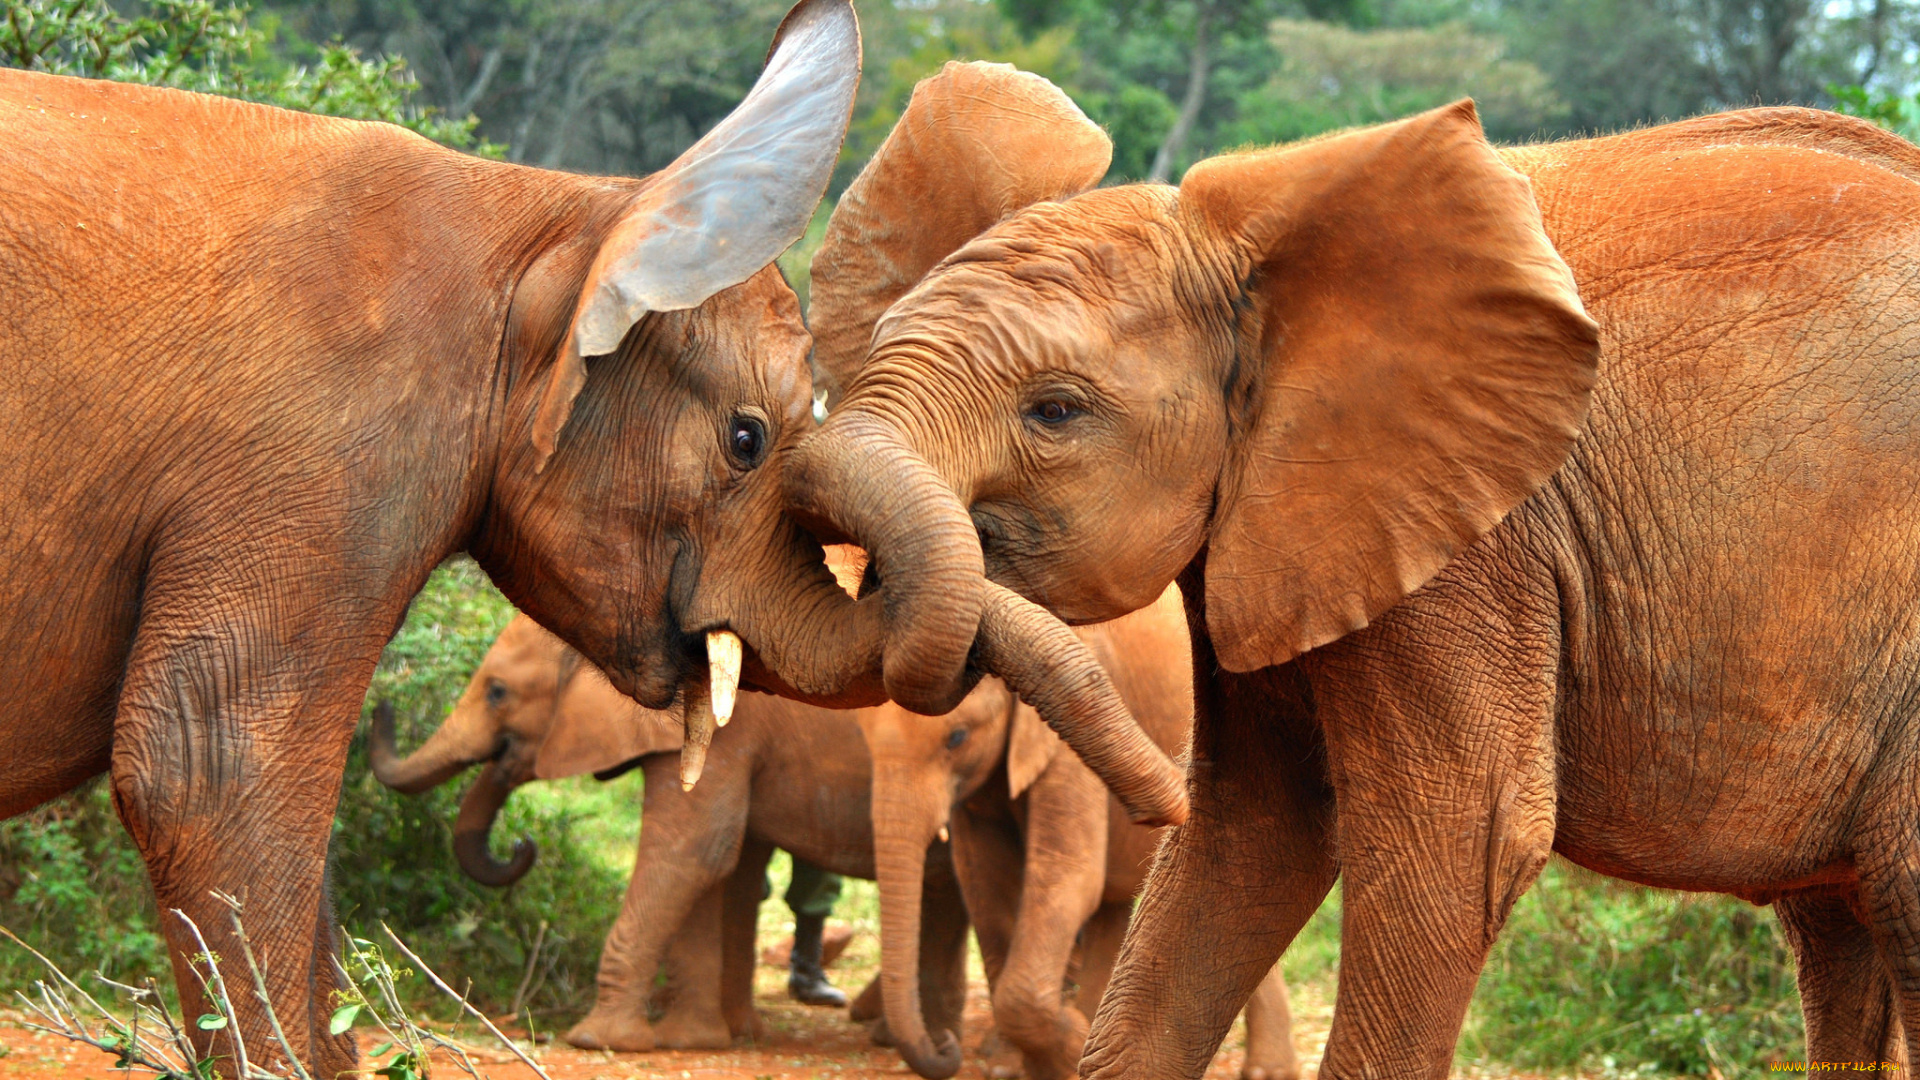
pixel 808 1044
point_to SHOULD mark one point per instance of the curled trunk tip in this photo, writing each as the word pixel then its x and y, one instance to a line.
pixel 478 809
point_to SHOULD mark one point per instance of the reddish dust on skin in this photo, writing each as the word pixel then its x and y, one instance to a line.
pixel 807 1044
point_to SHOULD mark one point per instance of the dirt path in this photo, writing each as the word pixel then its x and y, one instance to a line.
pixel 807 1044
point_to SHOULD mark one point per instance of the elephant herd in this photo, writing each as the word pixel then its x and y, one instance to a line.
pixel 1041 861
pixel 1556 498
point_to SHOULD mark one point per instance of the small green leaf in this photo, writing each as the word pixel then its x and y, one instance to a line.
pixel 343 1018
pixel 211 1022
pixel 381 1049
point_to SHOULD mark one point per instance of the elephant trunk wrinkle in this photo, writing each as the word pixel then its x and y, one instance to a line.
pixel 471 830
pixel 443 756
pixel 857 478
pixel 903 827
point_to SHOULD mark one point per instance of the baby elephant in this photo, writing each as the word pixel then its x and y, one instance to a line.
pixel 781 774
pixel 1046 856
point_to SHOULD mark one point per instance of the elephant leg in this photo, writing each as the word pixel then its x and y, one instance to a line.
pixel 739 929
pixel 1846 993
pixel 1444 765
pixel 689 842
pixel 943 949
pixel 1230 888
pixel 1100 943
pixel 1065 876
pixel 227 758
pixel 1270 1053
pixel 693 1019
pixel 988 859
pixel 867 1005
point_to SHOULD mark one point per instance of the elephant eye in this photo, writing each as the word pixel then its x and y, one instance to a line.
pixel 496 694
pixel 746 441
pixel 956 737
pixel 1053 411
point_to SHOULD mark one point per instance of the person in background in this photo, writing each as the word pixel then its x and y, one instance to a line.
pixel 811 896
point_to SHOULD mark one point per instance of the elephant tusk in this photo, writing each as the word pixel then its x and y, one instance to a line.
pixel 724 652
pixel 944 837
pixel 698 719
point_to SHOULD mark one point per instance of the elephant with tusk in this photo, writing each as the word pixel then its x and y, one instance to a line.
pixel 782 774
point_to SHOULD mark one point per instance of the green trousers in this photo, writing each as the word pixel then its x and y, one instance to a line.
pixel 812 891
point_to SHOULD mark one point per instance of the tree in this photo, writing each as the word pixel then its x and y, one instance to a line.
pixel 213 48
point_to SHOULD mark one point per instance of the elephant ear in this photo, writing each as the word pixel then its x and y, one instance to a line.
pixel 725 208
pixel 977 142
pixel 596 728
pixel 1031 747
pixel 1421 363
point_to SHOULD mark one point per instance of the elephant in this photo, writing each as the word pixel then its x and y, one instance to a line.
pixel 266 370
pixel 1044 854
pixel 782 774
pixel 1559 498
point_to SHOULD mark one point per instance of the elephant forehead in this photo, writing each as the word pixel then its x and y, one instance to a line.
pixel 1055 287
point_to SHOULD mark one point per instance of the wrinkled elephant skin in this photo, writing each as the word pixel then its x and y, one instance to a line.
pixel 266 370
pixel 1046 856
pixel 1562 498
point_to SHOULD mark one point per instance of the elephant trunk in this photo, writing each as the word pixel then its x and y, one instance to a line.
pixel 855 477
pixel 471 830
pixel 457 744
pixel 902 829
pixel 1049 667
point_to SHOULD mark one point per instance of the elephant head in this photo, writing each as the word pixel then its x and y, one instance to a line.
pixel 1314 373
pixel 644 520
pixel 534 710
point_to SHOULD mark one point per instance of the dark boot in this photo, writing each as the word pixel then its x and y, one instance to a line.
pixel 806 979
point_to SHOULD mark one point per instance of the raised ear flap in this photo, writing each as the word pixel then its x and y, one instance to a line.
pixel 1418 363
pixel 1031 747
pixel 596 727
pixel 976 142
pixel 727 207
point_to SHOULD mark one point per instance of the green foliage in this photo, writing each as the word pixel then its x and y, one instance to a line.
pixel 1331 77
pixel 1898 113
pixel 209 47
pixel 73 885
pixel 1598 975
pixel 392 853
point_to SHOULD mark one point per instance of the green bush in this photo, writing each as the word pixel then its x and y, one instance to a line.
pixel 1596 974
pixel 392 854
pixel 214 48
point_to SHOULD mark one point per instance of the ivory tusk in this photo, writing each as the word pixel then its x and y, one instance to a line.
pixel 724 652
pixel 698 718
pixel 943 834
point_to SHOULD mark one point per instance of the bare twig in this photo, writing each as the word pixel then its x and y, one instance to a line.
pixel 218 991
pixel 464 1004
pixel 260 985
pixel 533 957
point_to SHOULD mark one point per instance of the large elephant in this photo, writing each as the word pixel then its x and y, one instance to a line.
pixel 1046 856
pixel 1560 498
pixel 265 370
pixel 783 774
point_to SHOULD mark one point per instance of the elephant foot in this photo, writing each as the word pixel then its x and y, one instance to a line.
pixel 679 1032
pixel 754 1029
pixel 879 1032
pixel 622 1030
